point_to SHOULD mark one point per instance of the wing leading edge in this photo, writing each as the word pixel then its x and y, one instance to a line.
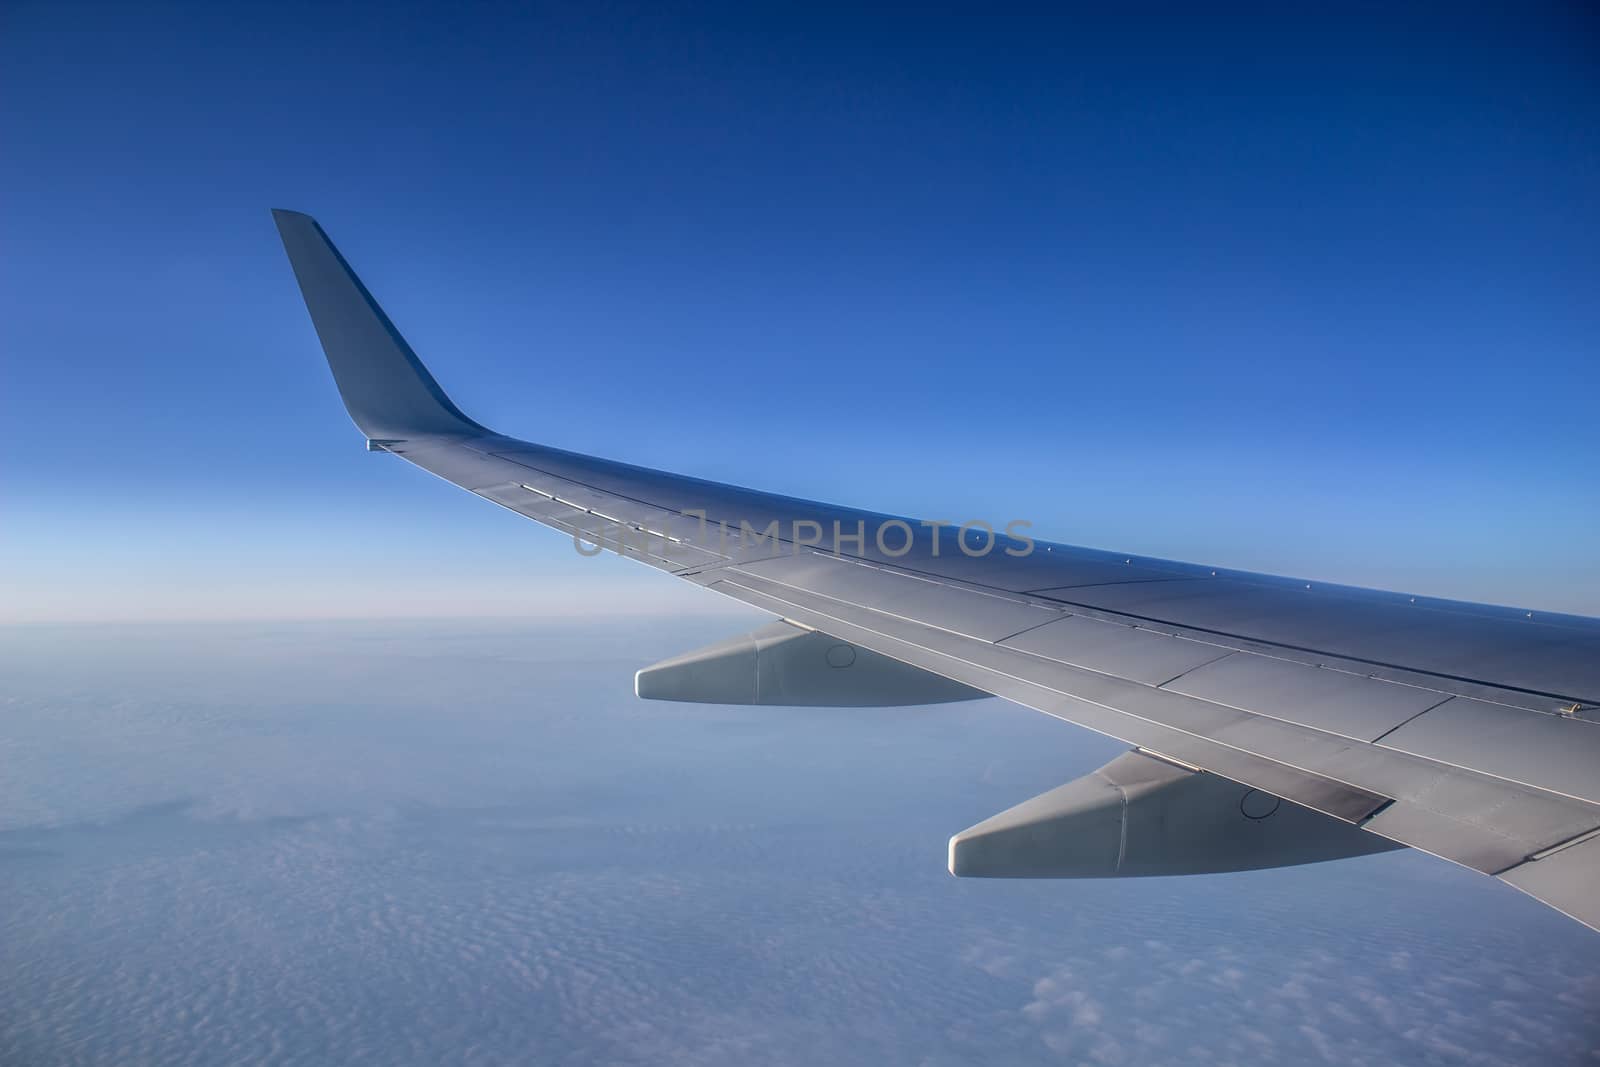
pixel 1459 729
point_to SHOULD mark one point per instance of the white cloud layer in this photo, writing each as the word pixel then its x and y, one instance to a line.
pixel 429 843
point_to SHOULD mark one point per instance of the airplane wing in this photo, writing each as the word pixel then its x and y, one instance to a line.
pixel 1272 720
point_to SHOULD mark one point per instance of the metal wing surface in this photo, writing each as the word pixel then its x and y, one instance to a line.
pixel 1464 730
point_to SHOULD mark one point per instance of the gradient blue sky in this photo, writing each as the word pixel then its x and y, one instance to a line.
pixel 1306 294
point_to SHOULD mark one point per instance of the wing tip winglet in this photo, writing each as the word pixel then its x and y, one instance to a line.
pixel 389 393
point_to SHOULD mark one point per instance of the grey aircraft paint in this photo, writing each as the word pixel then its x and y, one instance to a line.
pixel 1465 730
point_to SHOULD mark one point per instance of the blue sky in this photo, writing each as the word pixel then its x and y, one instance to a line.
pixel 1307 294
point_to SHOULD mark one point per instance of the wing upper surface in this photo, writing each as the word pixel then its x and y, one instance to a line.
pixel 1459 729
